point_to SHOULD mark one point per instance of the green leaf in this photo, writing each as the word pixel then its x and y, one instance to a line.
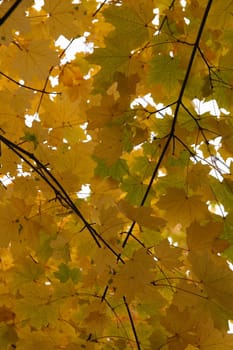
pixel 166 74
pixel 117 171
pixel 30 137
pixel 65 273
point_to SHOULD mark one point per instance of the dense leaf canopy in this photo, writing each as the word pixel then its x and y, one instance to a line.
pixel 116 206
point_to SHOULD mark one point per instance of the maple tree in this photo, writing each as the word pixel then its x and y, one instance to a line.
pixel 116 206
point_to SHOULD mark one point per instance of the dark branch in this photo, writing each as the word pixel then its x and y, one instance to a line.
pixel 132 323
pixel 99 8
pixel 29 87
pixel 179 102
pixel 10 11
pixel 58 189
pixel 155 284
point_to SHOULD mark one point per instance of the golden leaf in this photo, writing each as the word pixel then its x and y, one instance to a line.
pixel 142 215
pixel 180 208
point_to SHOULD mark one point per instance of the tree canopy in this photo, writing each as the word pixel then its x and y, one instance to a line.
pixel 116 205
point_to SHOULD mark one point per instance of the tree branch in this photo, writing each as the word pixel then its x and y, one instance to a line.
pixel 58 189
pixel 179 102
pixel 99 8
pixel 132 323
pixel 10 11
pixel 29 87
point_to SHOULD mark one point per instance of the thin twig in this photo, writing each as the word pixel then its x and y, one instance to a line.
pixel 29 87
pixel 99 8
pixel 155 284
pixel 132 323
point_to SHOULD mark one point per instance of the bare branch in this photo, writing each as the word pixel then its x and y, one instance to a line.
pixel 132 323
pixel 10 11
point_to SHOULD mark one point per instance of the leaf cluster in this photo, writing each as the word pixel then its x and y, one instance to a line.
pixel 116 175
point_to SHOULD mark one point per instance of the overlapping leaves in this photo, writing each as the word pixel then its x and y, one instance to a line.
pixel 141 260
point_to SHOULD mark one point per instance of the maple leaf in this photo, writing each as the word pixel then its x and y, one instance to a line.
pixel 131 21
pixel 111 59
pixel 61 14
pixel 168 255
pixel 203 237
pixel 17 21
pixel 135 275
pixel 211 337
pixel 182 209
pixel 142 215
pixel 183 328
pixel 33 59
pixel 12 226
pixel 110 147
pixel 109 221
pixel 165 71
pixel 216 277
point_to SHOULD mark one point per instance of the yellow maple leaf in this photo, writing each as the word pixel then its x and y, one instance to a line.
pixel 142 215
pixel 17 21
pixel 77 87
pixel 100 115
pixel 179 208
pixel 109 221
pixel 12 218
pixel 212 338
pixel 181 325
pixel 201 237
pixel 61 113
pixel 104 192
pixel 9 161
pixel 61 14
pixel 135 275
pixel 168 255
pixel 75 166
pixel 71 75
pixel 196 172
pixel 12 112
pixel 33 59
pixel 109 148
pixel 216 277
pixel 68 18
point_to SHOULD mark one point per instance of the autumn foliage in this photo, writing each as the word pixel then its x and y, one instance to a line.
pixel 116 195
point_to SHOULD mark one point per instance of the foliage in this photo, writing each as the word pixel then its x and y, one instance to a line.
pixel 142 259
